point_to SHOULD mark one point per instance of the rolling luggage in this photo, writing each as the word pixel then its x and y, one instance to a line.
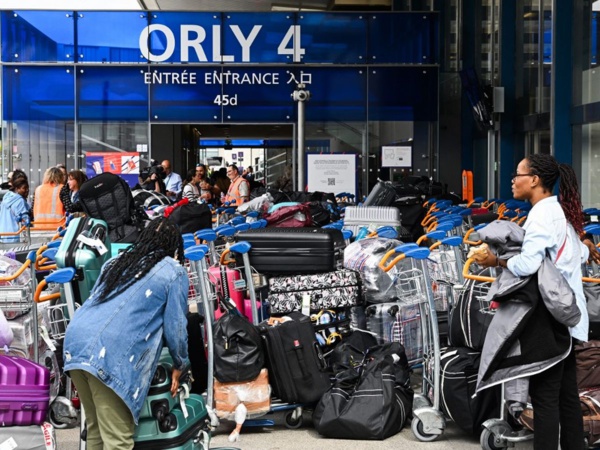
pixel 357 217
pixel 32 437
pixel 297 370
pixel 159 401
pixel 382 194
pixel 282 251
pixel 181 430
pixel 393 322
pixel 85 247
pixel 459 367
pixel 339 289
pixel 24 392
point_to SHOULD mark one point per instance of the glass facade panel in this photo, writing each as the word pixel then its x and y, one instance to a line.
pixel 403 38
pixel 590 165
pixel 112 93
pixel 38 36
pixel 587 49
pixel 105 37
pixel 26 97
pixel 531 56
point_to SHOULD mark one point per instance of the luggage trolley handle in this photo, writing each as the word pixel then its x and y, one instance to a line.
pixel 243 248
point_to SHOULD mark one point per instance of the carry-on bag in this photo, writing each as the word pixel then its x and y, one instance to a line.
pixel 382 194
pixel 32 437
pixel 587 357
pixel 394 322
pixel 159 400
pixel 338 289
pixel 459 367
pixel 85 247
pixel 108 197
pixel 356 217
pixel 283 251
pixel 24 392
pixel 296 366
pixel 468 323
pixel 371 401
pixel 180 430
pixel 238 349
pixel 191 217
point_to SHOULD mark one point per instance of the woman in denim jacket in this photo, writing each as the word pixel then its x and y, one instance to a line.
pixel 113 343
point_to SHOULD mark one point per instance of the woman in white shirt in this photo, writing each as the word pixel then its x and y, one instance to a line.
pixel 554 226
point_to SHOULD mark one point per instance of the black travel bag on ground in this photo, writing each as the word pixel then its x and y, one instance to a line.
pixel 192 217
pixel 370 401
pixel 108 197
pixel 283 251
pixel 297 371
pixel 382 194
pixel 459 367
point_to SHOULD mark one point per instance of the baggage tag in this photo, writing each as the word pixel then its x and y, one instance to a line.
pixel 183 394
pixel 9 444
pixel 46 338
pixel 306 304
pixel 94 243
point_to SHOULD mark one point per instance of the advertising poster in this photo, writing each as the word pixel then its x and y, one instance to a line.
pixel 124 164
pixel 332 173
pixel 396 156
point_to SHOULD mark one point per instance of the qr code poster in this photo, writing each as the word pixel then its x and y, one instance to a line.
pixel 396 156
pixel 332 173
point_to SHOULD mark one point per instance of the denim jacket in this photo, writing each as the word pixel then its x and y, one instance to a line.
pixel 119 341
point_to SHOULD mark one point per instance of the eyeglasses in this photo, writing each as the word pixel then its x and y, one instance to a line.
pixel 517 175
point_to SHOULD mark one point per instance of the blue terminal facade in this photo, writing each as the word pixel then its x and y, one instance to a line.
pixel 68 74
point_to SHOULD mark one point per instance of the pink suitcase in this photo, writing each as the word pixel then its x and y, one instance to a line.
pixel 235 284
pixel 24 392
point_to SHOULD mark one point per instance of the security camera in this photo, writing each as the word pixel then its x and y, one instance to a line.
pixel 301 95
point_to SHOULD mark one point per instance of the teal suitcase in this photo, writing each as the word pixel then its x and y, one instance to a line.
pixel 159 401
pixel 176 431
pixel 85 247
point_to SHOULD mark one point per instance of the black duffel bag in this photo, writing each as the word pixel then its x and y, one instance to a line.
pixel 238 349
pixel 371 401
pixel 192 217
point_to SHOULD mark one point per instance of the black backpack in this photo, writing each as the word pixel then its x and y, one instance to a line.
pixel 108 197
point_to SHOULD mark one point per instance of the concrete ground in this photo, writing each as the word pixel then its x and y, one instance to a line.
pixel 306 438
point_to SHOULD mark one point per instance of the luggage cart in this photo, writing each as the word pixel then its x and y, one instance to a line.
pixel 497 434
pixel 415 287
pixel 21 237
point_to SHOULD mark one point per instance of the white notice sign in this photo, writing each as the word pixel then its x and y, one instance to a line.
pixel 332 173
pixel 396 156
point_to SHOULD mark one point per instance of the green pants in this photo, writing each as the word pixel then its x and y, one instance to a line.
pixel 109 421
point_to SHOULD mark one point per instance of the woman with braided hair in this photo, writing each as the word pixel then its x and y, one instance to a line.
pixel 114 340
pixel 553 226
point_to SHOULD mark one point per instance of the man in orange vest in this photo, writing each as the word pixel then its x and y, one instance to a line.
pixel 239 190
pixel 48 210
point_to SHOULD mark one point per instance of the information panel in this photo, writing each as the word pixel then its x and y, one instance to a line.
pixel 332 173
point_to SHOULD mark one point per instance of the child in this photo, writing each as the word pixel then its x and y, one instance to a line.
pixel 13 209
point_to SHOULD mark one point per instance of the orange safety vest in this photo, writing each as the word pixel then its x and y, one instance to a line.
pixel 234 191
pixel 47 207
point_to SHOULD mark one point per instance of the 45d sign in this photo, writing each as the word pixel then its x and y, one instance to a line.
pixel 196 43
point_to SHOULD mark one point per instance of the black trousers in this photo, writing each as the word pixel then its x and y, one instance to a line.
pixel 555 401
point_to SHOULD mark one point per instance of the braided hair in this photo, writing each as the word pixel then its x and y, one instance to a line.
pixel 550 170
pixel 159 239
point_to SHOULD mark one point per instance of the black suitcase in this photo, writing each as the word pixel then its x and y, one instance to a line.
pixel 297 369
pixel 459 367
pixel 382 194
pixel 282 251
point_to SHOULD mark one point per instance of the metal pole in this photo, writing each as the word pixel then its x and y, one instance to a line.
pixel 300 146
pixel 491 163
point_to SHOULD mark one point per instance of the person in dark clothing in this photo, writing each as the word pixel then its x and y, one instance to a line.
pixel 69 193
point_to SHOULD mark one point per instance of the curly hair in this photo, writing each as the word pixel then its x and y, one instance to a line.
pixel 159 239
pixel 78 176
pixel 550 170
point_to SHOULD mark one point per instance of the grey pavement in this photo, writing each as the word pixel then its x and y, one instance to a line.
pixel 306 438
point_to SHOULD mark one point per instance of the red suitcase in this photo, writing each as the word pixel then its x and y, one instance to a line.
pixel 24 392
